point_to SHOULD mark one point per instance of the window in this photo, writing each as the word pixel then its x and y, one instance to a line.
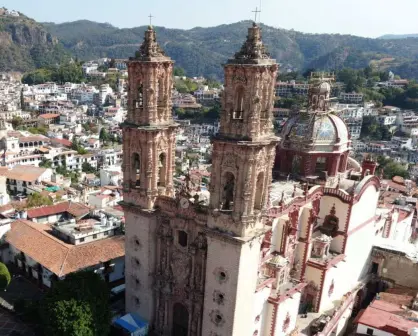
pixel 161 170
pixel 95 236
pixel 228 191
pixel 259 192
pixel 136 167
pixel 239 103
pixel 182 238
pixel 106 233
pixel 369 331
pixel 81 240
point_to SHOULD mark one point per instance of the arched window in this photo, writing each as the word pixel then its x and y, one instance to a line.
pixel 162 170
pixel 258 204
pixel 136 169
pixel 228 191
pixel 140 97
pixel 239 103
pixel 182 238
pixel 320 165
pixel 180 320
pixel 161 91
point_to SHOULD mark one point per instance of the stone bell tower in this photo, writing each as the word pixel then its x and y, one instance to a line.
pixel 148 161
pixel 242 161
pixel 244 150
pixel 149 131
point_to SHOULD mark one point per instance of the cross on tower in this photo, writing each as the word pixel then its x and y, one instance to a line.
pixel 256 11
pixel 150 19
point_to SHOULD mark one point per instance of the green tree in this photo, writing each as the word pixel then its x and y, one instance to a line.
pixel 45 163
pixel 4 276
pixel 103 135
pixel 88 168
pixel 82 298
pixel 36 200
pixel 179 72
pixel 16 122
pixel 71 318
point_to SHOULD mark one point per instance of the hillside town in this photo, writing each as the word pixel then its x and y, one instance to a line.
pixel 208 208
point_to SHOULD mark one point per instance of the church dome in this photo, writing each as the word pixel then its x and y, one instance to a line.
pixel 317 132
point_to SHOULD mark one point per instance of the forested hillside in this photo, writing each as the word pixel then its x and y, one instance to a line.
pixel 25 45
pixel 200 51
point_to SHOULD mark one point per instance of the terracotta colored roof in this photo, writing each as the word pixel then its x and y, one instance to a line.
pixel 49 116
pixel 33 138
pixel 382 315
pixel 75 209
pixel 23 173
pixel 57 256
pixel 400 300
pixel 64 142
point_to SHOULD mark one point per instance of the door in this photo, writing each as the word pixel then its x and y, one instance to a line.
pixel 180 320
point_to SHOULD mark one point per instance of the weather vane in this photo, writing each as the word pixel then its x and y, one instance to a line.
pixel 256 11
pixel 150 19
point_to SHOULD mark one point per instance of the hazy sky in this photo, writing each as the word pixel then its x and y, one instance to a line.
pixel 358 17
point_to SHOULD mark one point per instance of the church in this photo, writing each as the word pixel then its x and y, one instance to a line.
pixel 260 258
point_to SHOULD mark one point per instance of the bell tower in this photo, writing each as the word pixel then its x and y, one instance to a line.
pixel 149 131
pixel 148 160
pixel 242 162
pixel 244 150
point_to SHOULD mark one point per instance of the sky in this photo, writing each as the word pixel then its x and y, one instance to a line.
pixel 371 18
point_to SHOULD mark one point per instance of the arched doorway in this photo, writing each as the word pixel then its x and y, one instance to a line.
pixel 180 320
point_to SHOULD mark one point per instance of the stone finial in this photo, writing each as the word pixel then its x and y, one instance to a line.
pixel 253 48
pixel 149 48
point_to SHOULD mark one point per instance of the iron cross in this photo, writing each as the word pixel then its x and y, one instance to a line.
pixel 256 11
pixel 150 19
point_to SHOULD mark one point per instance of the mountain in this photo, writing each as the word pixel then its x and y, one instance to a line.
pixel 25 44
pixel 394 36
pixel 201 51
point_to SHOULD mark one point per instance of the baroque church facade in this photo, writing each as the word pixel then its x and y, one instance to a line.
pixel 244 264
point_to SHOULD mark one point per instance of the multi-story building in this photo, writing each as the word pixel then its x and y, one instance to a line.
pixel 351 97
pixel 45 253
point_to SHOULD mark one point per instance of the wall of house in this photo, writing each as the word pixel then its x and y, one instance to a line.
pixel 362 330
pixel 402 230
pixel 119 270
pixel 398 269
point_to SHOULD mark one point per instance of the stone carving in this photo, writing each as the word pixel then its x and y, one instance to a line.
pixel 218 297
pixel 221 275
pixel 180 266
pixel 217 318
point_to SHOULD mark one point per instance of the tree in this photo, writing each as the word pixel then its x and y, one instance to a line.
pixel 4 276
pixel 179 72
pixel 36 200
pixel 45 163
pixel 16 122
pixel 103 136
pixel 77 305
pixel 88 168
pixel 71 317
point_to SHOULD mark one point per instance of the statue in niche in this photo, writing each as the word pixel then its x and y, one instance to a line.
pixel 330 225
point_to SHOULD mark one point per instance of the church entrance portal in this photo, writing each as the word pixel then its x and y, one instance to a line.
pixel 180 320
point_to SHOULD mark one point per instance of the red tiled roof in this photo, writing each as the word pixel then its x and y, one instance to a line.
pixel 383 316
pixel 75 209
pixel 49 116
pixel 57 256
pixel 65 142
